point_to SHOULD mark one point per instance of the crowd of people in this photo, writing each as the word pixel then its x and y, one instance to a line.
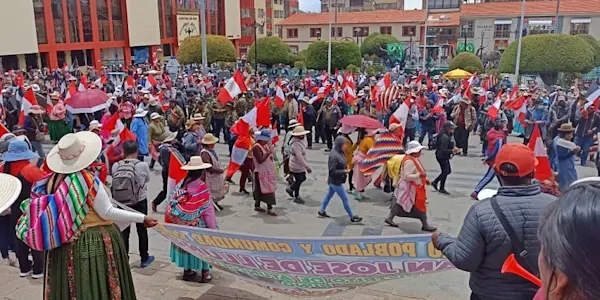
pixel 107 155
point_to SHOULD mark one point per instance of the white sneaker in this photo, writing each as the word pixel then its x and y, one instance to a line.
pixel 37 276
pixel 11 262
pixel 24 274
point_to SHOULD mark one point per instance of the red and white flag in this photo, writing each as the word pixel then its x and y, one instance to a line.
pixel 150 82
pixel 100 82
pixel 400 116
pixel 240 149
pixel 350 93
pixel 129 83
pixel 494 109
pixel 260 115
pixel 82 83
pixel 519 106
pixel 113 123
pixel 543 171
pixel 175 173
pixel 28 101
pixel 279 95
pixel 71 91
pixel 234 86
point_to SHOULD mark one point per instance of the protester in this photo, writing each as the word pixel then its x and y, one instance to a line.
pixel 156 132
pixel 215 174
pixel 17 163
pixel 34 127
pixel 464 116
pixel 246 170
pixel 331 115
pixel 495 139
pixel 298 162
pixel 286 150
pixel 337 166
pixel 164 158
pixel 191 205
pixel 309 116
pixel 11 190
pixel 567 233
pixel 564 152
pixel 410 193
pixel 130 187
pixel 444 151
pixel 97 237
pixel 349 148
pixel 536 116
pixel 191 140
pixel 427 118
pixel 496 227
pixel 139 127
pixel 265 179
pixel 58 125
pixel 360 180
pixel 586 129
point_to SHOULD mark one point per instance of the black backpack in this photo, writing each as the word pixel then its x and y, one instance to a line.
pixel 126 183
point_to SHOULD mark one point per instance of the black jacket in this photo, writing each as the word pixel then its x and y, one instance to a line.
pixel 444 146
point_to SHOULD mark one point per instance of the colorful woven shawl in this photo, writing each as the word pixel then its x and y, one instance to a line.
pixel 49 221
pixel 185 208
pixel 386 145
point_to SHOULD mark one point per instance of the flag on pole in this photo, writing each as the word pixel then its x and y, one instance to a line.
pixel 494 109
pixel 543 171
pixel 71 91
pixel 82 82
pixel 150 82
pixel 519 106
pixel 114 123
pixel 260 115
pixel 240 149
pixel 28 101
pixel 175 173
pixel 100 82
pixel 129 83
pixel 400 116
pixel 234 86
pixel 279 95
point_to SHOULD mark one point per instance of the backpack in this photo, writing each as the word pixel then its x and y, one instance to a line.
pixel 126 184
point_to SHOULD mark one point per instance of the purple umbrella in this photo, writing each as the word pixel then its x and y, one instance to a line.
pixel 87 102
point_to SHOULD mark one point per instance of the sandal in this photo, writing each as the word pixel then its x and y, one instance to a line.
pixel 206 277
pixel 272 213
pixel 259 209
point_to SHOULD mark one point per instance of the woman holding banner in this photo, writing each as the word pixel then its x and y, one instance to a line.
pixel 191 205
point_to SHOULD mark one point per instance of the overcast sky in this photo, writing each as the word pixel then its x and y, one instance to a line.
pixel 315 5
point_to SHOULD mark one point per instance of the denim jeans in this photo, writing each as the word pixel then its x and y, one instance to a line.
pixel 337 189
pixel 585 142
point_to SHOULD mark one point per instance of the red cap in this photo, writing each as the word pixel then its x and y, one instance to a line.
pixel 519 155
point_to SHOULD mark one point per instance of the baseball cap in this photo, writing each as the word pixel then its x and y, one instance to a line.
pixel 519 155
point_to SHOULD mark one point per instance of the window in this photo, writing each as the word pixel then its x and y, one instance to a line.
pixel 315 32
pixel 247 30
pixel 169 19
pixel 580 28
pixel 40 25
pixel 184 4
pixel 409 30
pixel 261 29
pixel 467 29
pixel 292 33
pixel 337 31
pixel 160 18
pixel 59 24
pixel 73 21
pixel 103 20
pixel 386 6
pixel 278 14
pixel 360 31
pixel 502 31
pixel 356 2
pixel 443 4
pixel 86 18
pixel 246 12
pixel 167 50
pixel 294 49
pixel 261 13
pixel 539 26
pixel 385 29
pixel 117 20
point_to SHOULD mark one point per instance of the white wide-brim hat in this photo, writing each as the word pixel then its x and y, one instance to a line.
pixel 10 188
pixel 196 163
pixel 414 147
pixel 140 113
pixel 74 152
pixel 299 131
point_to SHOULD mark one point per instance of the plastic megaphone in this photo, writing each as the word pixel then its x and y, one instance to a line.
pixel 511 265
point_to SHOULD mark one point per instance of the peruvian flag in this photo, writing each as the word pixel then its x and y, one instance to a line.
pixel 542 170
pixel 400 116
pixel 150 82
pixel 419 78
pixel 175 174
pixel 350 93
pixel 384 83
pixel 113 123
pixel 324 77
pixel 493 111
pixel 519 106
pixel 72 91
pixel 82 82
pixel 240 149
pixel 129 83
pixel 260 115
pixel 279 95
pixel 308 82
pixel 27 102
pixel 100 82
pixel 234 86
pixel 20 80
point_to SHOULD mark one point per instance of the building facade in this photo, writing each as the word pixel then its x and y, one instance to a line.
pixel 361 5
pixel 259 18
pixel 479 28
pixel 55 33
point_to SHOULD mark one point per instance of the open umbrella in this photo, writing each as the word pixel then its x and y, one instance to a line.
pixel 361 121
pixel 457 74
pixel 87 102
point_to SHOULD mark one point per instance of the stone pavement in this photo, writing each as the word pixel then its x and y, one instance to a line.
pixel 162 280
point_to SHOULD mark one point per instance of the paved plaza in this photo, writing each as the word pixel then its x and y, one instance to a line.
pixel 162 280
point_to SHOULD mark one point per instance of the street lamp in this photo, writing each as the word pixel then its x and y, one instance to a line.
pixel 481 46
pixel 256 25
pixel 464 30
pixel 357 33
pixel 318 32
pixel 410 36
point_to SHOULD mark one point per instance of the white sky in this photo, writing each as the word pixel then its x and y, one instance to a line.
pixel 315 5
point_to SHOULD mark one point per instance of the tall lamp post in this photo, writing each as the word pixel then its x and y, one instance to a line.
pixel 256 25
pixel 357 33
pixel 410 36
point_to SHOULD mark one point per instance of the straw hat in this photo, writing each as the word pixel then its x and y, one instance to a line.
pixel 74 152
pixel 293 123
pixel 299 131
pixel 55 95
pixel 36 110
pixel 169 136
pixel 209 139
pixel 154 115
pixel 140 113
pixel 189 124
pixel 413 147
pixel 566 127
pixel 196 163
pixel 198 117
pixel 10 188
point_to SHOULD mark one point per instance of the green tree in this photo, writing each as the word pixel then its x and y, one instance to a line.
pixel 219 49
pixel 352 69
pixel 373 44
pixel 271 50
pixel 343 53
pixel 547 55
pixel 594 45
pixel 299 64
pixel 466 61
